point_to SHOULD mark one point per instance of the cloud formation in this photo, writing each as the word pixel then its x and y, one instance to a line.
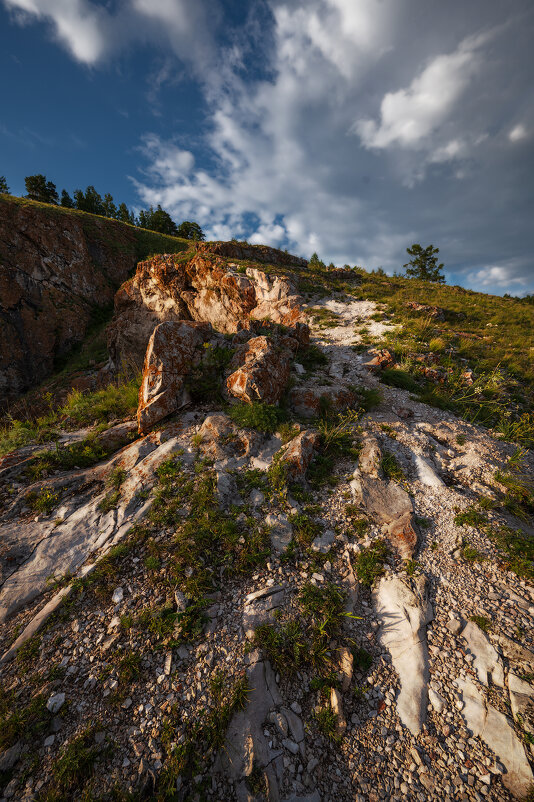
pixel 349 127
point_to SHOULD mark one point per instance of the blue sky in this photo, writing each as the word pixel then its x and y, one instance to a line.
pixel 348 127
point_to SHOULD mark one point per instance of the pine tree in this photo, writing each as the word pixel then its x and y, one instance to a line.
pixel 66 200
pixel 157 220
pixel 424 264
pixel 4 189
pixel 39 189
pixel 125 215
pixel 110 210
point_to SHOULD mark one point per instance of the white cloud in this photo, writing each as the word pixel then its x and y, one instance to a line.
pixel 91 33
pixel 77 24
pixel 501 276
pixel 518 133
pixel 409 116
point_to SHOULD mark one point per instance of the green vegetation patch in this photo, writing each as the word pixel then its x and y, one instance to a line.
pixel 260 416
pixel 370 562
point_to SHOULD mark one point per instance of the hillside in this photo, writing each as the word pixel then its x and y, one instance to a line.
pixel 59 270
pixel 292 560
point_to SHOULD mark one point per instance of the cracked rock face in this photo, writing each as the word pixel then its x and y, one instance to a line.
pixel 487 663
pixel 52 278
pixel 168 360
pixel 403 614
pixel 202 285
pixel 264 370
pixel 497 731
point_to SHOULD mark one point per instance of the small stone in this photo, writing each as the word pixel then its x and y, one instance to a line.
pixel 454 626
pixel 55 702
pixel 118 595
pixel 49 741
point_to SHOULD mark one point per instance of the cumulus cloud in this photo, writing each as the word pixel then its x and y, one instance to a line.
pixel 502 277
pixel 408 116
pixel 279 157
pixel 518 133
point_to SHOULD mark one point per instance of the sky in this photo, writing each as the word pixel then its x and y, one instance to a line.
pixel 352 128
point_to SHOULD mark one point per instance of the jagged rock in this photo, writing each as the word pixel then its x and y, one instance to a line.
pixel 276 299
pixel 299 453
pixel 346 661
pixel 56 702
pixel 216 426
pixel 264 370
pixel 169 358
pixel 487 663
pixel 308 401
pixel 265 456
pixel 435 312
pixel 324 542
pixel 436 700
pixel 391 507
pixel 522 701
pixel 9 757
pixel 403 614
pixel 426 474
pixel 515 652
pixel 381 360
pixel 226 489
pixel 497 731
pixel 203 285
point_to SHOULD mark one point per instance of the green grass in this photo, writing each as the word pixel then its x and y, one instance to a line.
pixel 81 454
pixel 303 638
pixel 116 401
pixel 260 416
pixel 482 622
pixel 401 379
pixel 470 517
pixel 327 722
pixel 370 562
pixel 76 764
pixel 18 721
pixel 42 501
pixel 391 467
pixel 470 554
pixel 363 660
pixel 312 357
pixel 192 756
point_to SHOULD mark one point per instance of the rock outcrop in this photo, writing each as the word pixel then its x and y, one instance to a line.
pixel 403 613
pixel 203 285
pixel 58 268
pixel 169 358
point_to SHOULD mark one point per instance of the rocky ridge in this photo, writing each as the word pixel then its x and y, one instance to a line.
pixel 173 638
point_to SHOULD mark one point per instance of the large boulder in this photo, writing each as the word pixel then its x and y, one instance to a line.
pixel 203 284
pixel 264 370
pixel 169 358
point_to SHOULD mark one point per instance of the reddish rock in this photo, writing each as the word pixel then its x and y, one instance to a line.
pixel 435 312
pixel 201 285
pixel 381 360
pixel 169 358
pixel 264 370
pixel 310 401
pixel 299 453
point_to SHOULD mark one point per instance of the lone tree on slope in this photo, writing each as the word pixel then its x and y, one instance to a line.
pixel 4 189
pixel 424 264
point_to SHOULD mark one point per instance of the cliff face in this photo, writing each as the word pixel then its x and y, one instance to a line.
pixel 57 269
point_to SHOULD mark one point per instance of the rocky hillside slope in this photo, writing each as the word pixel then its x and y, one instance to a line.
pixel 279 577
pixel 59 269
